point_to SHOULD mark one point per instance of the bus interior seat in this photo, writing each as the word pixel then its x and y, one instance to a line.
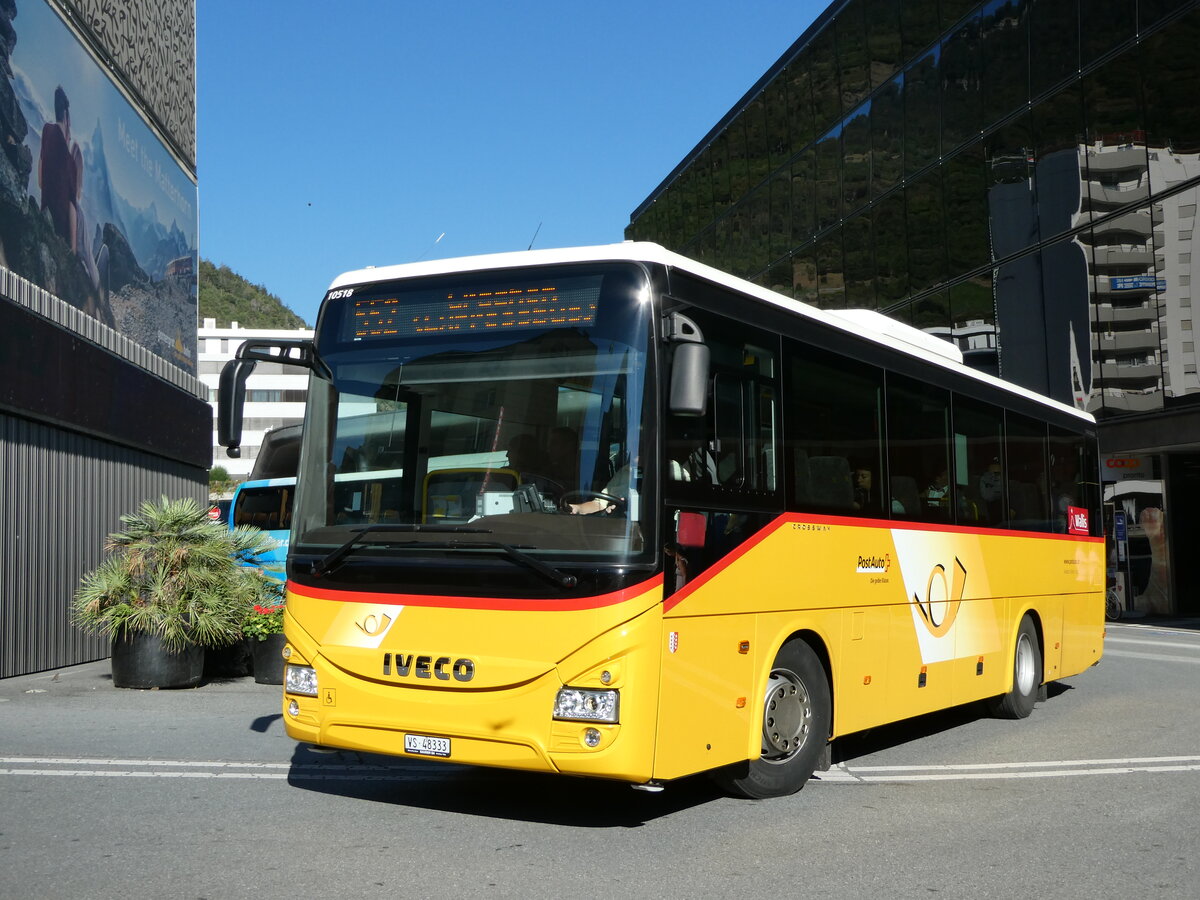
pixel 904 492
pixel 830 481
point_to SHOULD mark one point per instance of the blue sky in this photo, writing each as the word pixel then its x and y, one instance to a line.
pixel 335 136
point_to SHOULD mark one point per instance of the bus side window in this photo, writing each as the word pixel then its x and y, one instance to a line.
pixel 733 447
pixel 833 430
pixel 978 462
pixel 918 417
pixel 1028 489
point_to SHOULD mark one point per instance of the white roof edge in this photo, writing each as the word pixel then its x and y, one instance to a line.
pixel 869 324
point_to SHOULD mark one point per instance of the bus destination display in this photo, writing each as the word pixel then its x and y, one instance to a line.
pixel 506 309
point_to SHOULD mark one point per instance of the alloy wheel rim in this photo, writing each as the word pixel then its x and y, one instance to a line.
pixel 787 716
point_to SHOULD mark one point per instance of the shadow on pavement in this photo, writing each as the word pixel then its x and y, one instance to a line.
pixel 493 793
pixel 897 734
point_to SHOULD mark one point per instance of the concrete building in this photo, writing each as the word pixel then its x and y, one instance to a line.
pixel 1017 176
pixel 100 407
pixel 275 393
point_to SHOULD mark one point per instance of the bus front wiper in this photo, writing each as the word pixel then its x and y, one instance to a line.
pixel 326 563
pixel 562 579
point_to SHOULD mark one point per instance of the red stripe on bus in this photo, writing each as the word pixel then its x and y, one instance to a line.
pixel 889 524
pixel 492 603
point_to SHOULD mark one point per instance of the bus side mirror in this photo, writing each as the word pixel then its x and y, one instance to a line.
pixel 231 394
pixel 689 380
pixel 231 397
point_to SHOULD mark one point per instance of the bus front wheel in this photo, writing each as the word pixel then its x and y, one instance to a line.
pixel 1027 675
pixel 795 728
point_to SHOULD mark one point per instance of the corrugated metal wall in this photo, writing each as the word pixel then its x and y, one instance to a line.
pixel 61 493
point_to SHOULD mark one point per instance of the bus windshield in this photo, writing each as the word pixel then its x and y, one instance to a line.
pixel 479 413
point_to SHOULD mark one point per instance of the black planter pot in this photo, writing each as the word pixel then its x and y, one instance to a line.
pixel 268 659
pixel 141 661
pixel 233 661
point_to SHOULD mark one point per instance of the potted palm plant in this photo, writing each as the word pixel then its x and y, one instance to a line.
pixel 173 584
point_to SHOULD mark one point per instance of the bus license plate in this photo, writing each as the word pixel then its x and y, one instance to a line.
pixel 423 745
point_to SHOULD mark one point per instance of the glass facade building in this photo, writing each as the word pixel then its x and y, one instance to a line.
pixel 1019 177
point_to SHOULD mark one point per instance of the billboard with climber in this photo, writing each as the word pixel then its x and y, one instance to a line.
pixel 93 207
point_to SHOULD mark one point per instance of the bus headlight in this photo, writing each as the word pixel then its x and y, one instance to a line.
pixel 300 680
pixel 582 705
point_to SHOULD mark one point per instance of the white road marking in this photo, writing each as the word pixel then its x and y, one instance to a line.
pixel 74 767
pixel 850 774
pixel 1160 657
pixel 1177 646
pixel 842 773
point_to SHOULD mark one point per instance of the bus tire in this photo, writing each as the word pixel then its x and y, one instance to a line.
pixel 795 728
pixel 1027 675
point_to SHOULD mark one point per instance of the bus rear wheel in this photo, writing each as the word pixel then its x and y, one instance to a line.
pixel 1027 675
pixel 795 728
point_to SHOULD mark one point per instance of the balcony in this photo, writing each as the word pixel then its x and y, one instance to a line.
pixel 1119 315
pixel 1111 342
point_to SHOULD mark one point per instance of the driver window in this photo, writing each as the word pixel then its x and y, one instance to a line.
pixel 732 448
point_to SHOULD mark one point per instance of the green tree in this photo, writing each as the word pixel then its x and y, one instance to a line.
pixel 228 297
pixel 219 482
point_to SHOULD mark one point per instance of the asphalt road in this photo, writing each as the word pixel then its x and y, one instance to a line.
pixel 199 793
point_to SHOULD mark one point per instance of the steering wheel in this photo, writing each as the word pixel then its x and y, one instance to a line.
pixel 582 496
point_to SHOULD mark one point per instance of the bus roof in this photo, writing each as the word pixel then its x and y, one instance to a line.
pixel 867 324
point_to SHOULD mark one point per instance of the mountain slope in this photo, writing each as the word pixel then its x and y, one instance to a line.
pixel 228 297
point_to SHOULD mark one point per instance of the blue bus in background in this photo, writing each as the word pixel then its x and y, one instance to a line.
pixel 265 500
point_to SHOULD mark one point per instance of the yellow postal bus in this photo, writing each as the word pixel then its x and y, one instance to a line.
pixel 610 512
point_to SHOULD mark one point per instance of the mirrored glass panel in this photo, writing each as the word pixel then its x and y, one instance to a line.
pixel 1004 45
pixel 828 179
pixel 967 245
pixel 1012 199
pixel 853 58
pixel 973 323
pixel 1059 147
pixel 803 195
pixel 883 39
pixel 860 263
pixel 922 88
pixel 918 25
pixel 856 159
pixel 962 94
pixel 1172 71
pixel 1117 165
pixel 827 102
pixel 1053 43
pixel 779 140
pixel 1103 24
pixel 926 232
pixel 831 272
pixel 891 249
pixel 887 136
pixel 799 98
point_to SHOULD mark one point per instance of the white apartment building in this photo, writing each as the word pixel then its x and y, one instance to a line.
pixel 274 393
